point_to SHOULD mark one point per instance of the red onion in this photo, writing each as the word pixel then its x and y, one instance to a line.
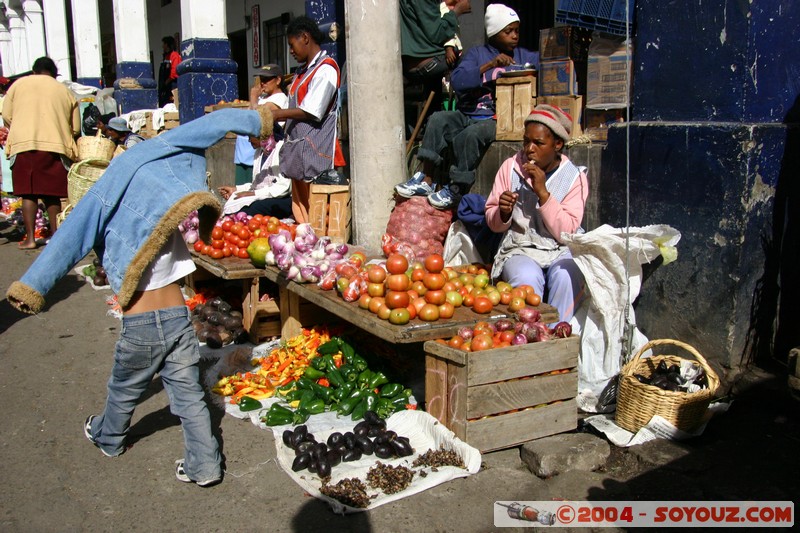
pixel 503 324
pixel 518 339
pixel 562 330
pixel 529 314
pixel 465 333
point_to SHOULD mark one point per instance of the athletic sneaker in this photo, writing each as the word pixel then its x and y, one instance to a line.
pixel 416 186
pixel 87 430
pixel 447 197
pixel 180 473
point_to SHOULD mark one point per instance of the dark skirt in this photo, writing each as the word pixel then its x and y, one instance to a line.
pixel 37 173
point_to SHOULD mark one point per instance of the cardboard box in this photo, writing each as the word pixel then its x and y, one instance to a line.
pixel 329 211
pixel 572 105
pixel 557 78
pixel 503 397
pixel 597 121
pixel 607 81
pixel 564 42
pixel 513 98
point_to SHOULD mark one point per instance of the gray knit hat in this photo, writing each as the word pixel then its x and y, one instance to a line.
pixel 554 118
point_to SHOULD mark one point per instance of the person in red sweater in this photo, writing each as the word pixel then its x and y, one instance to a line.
pixel 168 74
pixel 538 195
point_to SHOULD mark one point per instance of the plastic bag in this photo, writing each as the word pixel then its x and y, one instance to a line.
pixel 91 115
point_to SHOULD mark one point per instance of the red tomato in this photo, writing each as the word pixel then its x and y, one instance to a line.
pixel 419 288
pixel 399 316
pixel 533 299
pixel 516 304
pixel 507 335
pixel 384 312
pixel 446 310
pixel 216 253
pixel 258 218
pixel 397 299
pixel 241 253
pixel 412 310
pixel 436 297
pixel 375 289
pixel 397 264
pixel 243 233
pixel 434 281
pixel 417 274
pixel 398 282
pixel 236 227
pixel 376 274
pixel 218 245
pixel 206 249
pixel 469 300
pixel 429 313
pixel 482 305
pixel 346 269
pixel 198 246
pixel 253 224
pixel 481 342
pixel 227 224
pixel 505 297
pixel 456 342
pixel 418 304
pixel 376 303
pixel 449 286
pixel 363 301
pixel 226 251
pixel 434 263
pixel 358 259
pixel 217 233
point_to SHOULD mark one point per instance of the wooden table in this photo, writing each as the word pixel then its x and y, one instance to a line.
pixel 295 313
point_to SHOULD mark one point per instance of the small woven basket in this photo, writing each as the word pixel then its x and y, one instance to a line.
pixel 637 402
pixel 82 175
pixel 97 147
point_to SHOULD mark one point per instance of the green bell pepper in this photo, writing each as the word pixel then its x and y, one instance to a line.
pixel 318 363
pixel 308 397
pixel 332 373
pixel 368 403
pixel 385 408
pixel 359 362
pixel 349 373
pixel 402 397
pixel 377 380
pixel 329 348
pixel 340 394
pixel 278 416
pixel 391 390
pixel 295 395
pixel 324 393
pixel 364 377
pixel 347 405
pixel 316 406
pixel 347 352
pixel 312 373
pixel 304 383
pixel 246 403
pixel 300 417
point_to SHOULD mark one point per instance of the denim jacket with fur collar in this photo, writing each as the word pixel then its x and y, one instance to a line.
pixel 130 212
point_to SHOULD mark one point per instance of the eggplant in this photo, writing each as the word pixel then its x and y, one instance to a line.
pixel 349 440
pixel 380 424
pixel 390 435
pixel 322 449
pixel 323 468
pixel 381 438
pixel 352 455
pixel 287 438
pixel 240 336
pixel 402 447
pixel 365 445
pixel 342 449
pixel 371 418
pixel 304 447
pixel 213 340
pixel 215 301
pixel 334 439
pixel 374 431
pixel 312 466
pixel 297 438
pixel 301 462
pixel 384 451
pixel 333 457
pixel 224 307
pixel 198 309
pixel 310 437
pixel 361 429
pixel 96 262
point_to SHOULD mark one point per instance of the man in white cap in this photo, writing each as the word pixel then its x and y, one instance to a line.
pixel 118 131
pixel 538 195
pixel 470 129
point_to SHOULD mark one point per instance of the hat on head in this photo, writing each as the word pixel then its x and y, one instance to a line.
pixel 557 120
pixel 270 71
pixel 119 124
pixel 498 17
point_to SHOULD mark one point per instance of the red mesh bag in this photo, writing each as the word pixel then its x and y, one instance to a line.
pixel 419 225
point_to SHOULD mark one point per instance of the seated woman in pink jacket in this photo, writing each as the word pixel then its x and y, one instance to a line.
pixel 538 194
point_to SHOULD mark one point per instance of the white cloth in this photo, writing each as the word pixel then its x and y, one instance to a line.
pixel 172 263
pixel 268 182
pixel 601 255
pixel 321 89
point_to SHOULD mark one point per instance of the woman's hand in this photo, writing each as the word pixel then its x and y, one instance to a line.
pixel 537 180
pixel 226 192
pixel 506 204
pixel 450 56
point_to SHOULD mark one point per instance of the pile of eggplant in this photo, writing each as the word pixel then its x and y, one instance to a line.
pixel 368 437
pixel 668 377
pixel 217 324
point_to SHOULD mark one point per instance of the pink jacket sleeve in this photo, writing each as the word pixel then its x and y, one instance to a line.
pixel 558 217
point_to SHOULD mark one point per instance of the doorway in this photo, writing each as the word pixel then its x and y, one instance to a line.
pixel 238 40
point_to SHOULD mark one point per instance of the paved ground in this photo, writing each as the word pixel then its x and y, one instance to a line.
pixel 54 369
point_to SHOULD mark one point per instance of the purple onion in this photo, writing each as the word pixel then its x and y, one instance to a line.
pixel 529 314
pixel 518 339
pixel 503 324
pixel 465 333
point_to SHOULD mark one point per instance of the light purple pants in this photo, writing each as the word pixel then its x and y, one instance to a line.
pixel 563 280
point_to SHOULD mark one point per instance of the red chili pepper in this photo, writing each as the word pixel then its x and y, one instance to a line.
pixel 411 406
pixel 324 382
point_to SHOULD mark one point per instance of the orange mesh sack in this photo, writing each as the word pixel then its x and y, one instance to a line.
pixel 421 226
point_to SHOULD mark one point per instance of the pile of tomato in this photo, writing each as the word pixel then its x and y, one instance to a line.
pixel 399 292
pixel 230 238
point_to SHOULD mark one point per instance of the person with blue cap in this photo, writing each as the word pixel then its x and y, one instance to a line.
pixel 118 131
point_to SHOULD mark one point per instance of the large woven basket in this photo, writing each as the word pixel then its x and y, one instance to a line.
pixel 96 147
pixel 82 175
pixel 637 402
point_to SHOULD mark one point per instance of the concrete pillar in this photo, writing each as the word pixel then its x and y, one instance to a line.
pixel 55 27
pixel 136 88
pixel 6 48
pixel 19 45
pixel 34 29
pixel 86 32
pixel 207 73
pixel 375 111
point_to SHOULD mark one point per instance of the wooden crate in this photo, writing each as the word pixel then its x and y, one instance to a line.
pixel 572 105
pixel 329 211
pixel 260 319
pixel 171 120
pixel 514 96
pixel 501 398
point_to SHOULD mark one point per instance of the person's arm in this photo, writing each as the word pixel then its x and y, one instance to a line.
pixel 294 113
pixel 436 27
pixel 76 120
pixel 497 208
pixel 565 216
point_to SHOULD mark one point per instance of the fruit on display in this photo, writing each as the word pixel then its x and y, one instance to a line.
pixel 217 324
pixel 96 273
pixel 257 251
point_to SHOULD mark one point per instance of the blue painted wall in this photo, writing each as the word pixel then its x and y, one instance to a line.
pixel 206 75
pixel 326 13
pixel 712 154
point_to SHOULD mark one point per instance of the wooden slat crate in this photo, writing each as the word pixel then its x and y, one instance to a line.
pixel 514 95
pixel 329 211
pixel 501 398
pixel 260 319
pixel 171 120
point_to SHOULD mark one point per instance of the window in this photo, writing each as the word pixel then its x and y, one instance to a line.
pixel 274 36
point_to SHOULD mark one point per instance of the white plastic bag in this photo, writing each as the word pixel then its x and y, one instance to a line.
pixel 458 246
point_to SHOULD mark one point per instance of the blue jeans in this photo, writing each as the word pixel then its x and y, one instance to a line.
pixel 161 342
pixel 469 139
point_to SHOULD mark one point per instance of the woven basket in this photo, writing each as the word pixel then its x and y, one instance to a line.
pixel 637 402
pixel 96 147
pixel 82 175
pixel 119 150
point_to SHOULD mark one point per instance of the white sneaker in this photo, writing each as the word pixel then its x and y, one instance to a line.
pixel 180 473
